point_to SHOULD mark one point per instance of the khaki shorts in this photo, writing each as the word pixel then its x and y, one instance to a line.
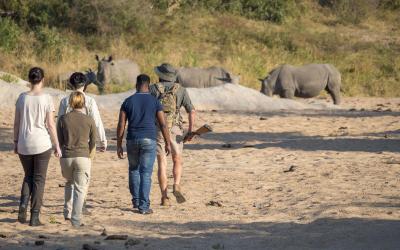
pixel 176 141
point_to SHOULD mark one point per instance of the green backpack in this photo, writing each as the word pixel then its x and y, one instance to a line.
pixel 168 98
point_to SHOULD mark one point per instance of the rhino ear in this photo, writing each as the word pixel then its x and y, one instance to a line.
pixel 110 58
pixel 97 58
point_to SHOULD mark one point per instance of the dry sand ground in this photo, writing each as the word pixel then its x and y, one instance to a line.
pixel 343 192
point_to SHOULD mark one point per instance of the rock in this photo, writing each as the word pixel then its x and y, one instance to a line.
pixel 263 118
pixel 117 237
pixel 214 203
pixel 39 242
pixel 4 235
pixel 88 247
pixel 291 169
pixel 132 242
pixel 228 145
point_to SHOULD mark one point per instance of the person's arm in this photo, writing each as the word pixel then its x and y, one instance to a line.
pixel 16 129
pixel 99 127
pixel 120 133
pixel 62 109
pixel 187 103
pixel 53 132
pixel 164 131
pixel 92 139
pixel 60 134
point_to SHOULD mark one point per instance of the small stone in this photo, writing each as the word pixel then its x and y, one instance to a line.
pixel 214 203
pixel 291 169
pixel 228 145
pixel 41 236
pixel 39 242
pixel 263 118
pixel 88 247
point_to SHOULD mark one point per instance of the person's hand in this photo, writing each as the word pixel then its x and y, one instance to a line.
pixel 188 137
pixel 15 147
pixel 103 146
pixel 168 149
pixel 120 152
pixel 57 152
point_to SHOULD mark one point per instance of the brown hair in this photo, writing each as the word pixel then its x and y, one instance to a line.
pixel 77 100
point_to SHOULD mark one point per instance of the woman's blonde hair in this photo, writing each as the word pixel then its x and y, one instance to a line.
pixel 77 100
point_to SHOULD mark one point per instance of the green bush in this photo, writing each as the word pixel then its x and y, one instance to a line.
pixel 10 33
pixel 49 43
pixel 390 4
pixel 268 10
pixel 348 11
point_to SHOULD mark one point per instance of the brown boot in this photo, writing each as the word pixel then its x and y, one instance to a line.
pixel 165 202
pixel 178 194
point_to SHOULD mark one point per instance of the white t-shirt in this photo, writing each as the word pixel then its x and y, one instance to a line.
pixel 33 136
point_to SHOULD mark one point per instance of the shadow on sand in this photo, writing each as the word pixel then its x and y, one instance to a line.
pixel 295 141
pixel 325 233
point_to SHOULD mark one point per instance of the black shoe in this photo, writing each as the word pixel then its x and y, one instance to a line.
pixel 145 212
pixel 35 222
pixel 22 214
pixel 23 209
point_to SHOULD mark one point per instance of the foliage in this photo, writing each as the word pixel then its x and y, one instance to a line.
pixel 268 10
pixel 10 33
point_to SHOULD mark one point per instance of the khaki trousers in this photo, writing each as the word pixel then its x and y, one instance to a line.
pixel 76 171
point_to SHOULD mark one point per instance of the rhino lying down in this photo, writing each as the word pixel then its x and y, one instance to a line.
pixel 205 77
pixel 306 81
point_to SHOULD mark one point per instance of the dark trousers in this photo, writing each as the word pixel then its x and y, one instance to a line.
pixel 35 168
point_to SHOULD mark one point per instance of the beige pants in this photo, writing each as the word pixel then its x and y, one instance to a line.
pixel 176 135
pixel 77 173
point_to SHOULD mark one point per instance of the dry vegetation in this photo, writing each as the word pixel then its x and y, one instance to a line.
pixel 363 41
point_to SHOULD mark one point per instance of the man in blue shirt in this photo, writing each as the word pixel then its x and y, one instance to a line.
pixel 140 111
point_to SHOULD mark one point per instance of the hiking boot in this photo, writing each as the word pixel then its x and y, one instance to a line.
pixel 178 194
pixel 22 214
pixel 34 222
pixel 165 202
pixel 23 209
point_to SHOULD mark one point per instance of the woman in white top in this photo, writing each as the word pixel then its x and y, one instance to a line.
pixel 34 131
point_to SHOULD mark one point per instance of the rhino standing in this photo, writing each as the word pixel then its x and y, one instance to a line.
pixel 306 81
pixel 205 77
pixel 111 71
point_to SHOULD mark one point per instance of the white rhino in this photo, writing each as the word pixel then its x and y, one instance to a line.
pixel 306 81
pixel 111 71
pixel 205 77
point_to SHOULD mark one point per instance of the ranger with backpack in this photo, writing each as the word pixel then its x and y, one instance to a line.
pixel 172 96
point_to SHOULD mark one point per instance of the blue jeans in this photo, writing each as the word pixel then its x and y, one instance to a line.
pixel 141 156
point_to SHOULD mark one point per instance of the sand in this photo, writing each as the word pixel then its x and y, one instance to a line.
pixel 284 179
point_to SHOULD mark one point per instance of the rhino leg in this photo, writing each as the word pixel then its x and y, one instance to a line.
pixel 334 92
pixel 287 93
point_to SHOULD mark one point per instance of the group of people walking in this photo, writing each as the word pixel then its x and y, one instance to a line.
pixel 155 130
